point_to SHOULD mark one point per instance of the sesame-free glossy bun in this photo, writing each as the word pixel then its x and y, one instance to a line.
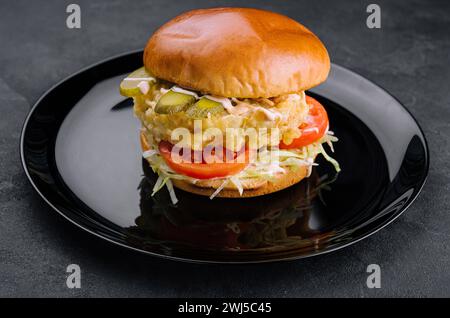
pixel 237 52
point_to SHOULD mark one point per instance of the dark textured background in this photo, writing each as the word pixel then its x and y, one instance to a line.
pixel 409 55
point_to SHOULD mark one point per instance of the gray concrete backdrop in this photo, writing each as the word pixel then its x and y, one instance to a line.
pixel 409 55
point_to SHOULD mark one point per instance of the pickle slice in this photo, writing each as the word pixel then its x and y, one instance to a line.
pixel 129 86
pixel 174 102
pixel 203 107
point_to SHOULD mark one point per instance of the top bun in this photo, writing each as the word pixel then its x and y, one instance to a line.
pixel 237 52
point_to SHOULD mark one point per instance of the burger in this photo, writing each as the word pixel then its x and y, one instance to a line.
pixel 221 98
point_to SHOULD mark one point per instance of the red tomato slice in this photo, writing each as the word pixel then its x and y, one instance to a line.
pixel 203 170
pixel 313 129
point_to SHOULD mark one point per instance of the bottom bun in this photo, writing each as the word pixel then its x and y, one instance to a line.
pixel 279 182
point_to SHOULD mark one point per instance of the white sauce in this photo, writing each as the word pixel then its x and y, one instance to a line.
pixel 224 101
pixel 164 90
pixel 144 87
pixel 243 107
pixel 177 89
pixel 315 129
pixel 294 97
pixel 271 115
pixel 148 79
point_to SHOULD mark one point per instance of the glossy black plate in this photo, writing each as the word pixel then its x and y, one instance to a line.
pixel 81 152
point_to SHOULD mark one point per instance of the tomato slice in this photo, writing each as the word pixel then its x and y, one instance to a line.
pixel 203 170
pixel 313 129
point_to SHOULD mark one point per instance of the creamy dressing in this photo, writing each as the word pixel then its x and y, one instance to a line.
pixel 144 87
pixel 315 129
pixel 163 90
pixel 226 103
pixel 295 97
pixel 270 115
pixel 148 79
pixel 177 89
pixel 243 107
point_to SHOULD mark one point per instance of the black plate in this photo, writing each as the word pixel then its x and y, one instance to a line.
pixel 81 153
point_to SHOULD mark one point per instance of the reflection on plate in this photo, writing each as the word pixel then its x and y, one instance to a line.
pixel 276 222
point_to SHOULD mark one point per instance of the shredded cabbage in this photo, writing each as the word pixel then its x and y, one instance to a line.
pixel 173 197
pixel 219 189
pixel 149 153
pixel 262 168
pixel 237 183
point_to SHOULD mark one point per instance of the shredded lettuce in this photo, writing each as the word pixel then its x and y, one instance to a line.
pixel 159 184
pixel 237 183
pixel 149 153
pixel 219 189
pixel 262 168
pixel 173 197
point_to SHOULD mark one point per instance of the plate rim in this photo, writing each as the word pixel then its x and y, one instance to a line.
pixel 204 261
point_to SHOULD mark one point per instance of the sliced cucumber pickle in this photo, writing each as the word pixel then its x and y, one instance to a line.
pixel 174 102
pixel 129 86
pixel 203 107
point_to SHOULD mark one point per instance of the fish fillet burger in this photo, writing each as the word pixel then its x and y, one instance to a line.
pixel 221 98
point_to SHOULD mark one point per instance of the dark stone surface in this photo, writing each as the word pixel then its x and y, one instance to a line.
pixel 409 55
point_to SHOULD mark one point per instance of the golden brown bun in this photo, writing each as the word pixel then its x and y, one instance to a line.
pixel 252 187
pixel 237 52
pixel 281 182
